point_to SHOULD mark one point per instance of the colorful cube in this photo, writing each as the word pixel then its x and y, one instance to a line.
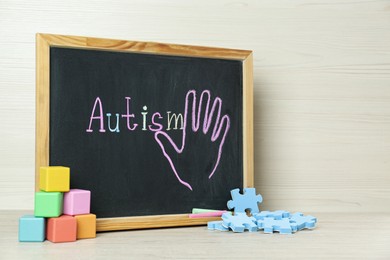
pixel 61 229
pixel 54 178
pixel 31 229
pixel 86 226
pixel 48 204
pixel 77 202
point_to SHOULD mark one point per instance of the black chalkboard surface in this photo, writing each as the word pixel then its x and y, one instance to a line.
pixel 150 134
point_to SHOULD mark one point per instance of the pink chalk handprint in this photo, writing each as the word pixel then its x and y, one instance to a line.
pixel 200 118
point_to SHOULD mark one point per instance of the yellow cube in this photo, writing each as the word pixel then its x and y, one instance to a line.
pixel 54 178
pixel 86 226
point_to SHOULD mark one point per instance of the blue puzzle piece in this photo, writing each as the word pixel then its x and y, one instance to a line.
pixel 301 221
pixel 269 224
pixel 216 225
pixel 278 214
pixel 239 222
pixel 248 200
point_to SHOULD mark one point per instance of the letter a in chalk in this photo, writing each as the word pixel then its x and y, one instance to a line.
pixel 99 117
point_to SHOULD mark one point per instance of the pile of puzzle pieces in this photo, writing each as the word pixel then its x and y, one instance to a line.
pixel 61 214
pixel 247 216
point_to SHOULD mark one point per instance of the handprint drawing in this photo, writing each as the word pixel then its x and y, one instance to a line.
pixel 208 123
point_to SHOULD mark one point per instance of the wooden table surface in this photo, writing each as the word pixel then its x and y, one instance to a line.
pixel 337 236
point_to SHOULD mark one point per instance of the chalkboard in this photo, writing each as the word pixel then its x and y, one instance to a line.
pixel 153 131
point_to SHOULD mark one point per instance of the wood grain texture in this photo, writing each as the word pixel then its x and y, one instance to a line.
pixel 248 121
pixel 337 236
pixel 145 222
pixel 144 47
pixel 321 88
pixel 42 106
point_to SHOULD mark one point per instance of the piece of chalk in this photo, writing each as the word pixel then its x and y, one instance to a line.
pixel 197 210
pixel 207 214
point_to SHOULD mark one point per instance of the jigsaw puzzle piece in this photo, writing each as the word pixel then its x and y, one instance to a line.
pixel 301 221
pixel 216 225
pixel 278 214
pixel 247 200
pixel 269 225
pixel 239 222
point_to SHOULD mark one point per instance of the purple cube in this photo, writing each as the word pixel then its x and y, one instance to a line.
pixel 77 202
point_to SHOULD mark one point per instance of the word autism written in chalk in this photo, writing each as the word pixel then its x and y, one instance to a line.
pixel 154 123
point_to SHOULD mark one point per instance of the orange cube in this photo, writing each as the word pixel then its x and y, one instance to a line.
pixel 61 229
pixel 86 226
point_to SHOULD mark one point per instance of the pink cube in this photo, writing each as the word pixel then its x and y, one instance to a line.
pixel 77 202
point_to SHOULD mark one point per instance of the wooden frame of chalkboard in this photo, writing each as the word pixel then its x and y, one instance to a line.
pixel 44 103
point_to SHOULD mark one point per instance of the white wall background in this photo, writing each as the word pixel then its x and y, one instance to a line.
pixel 321 88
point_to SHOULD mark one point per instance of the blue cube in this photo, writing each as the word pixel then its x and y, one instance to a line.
pixel 31 229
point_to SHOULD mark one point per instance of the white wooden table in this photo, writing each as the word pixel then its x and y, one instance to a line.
pixel 337 236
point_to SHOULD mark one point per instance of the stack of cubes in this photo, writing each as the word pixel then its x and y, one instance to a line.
pixel 61 214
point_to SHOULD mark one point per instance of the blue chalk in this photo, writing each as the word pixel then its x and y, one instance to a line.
pixel 31 229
